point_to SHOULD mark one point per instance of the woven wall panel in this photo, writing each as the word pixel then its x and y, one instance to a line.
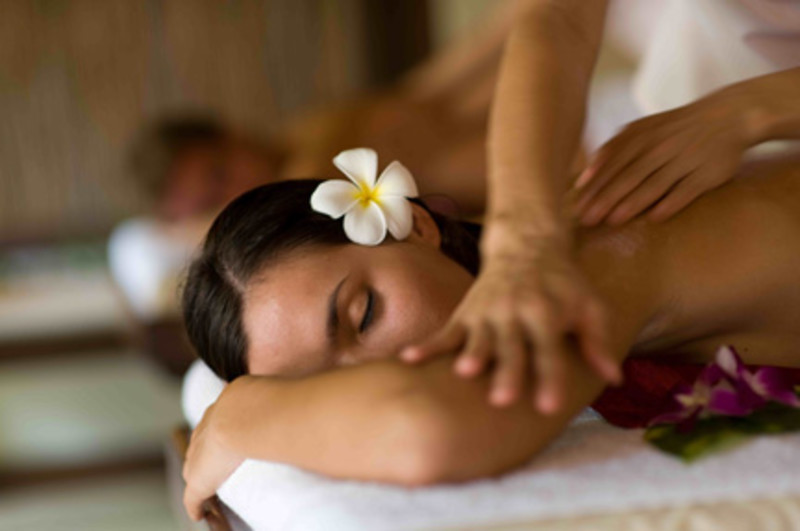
pixel 79 77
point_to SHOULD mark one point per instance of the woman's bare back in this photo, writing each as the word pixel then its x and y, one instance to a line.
pixel 726 270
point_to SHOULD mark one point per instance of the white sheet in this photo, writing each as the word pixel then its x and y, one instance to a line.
pixel 592 468
pixel 147 263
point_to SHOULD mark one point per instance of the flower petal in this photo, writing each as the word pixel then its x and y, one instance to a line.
pixel 711 375
pixel 729 361
pixel 365 225
pixel 334 197
pixel 399 216
pixel 729 402
pixel 359 164
pixel 772 384
pixel 396 180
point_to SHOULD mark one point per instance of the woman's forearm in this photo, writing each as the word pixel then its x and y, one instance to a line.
pixel 389 422
pixel 342 423
pixel 538 110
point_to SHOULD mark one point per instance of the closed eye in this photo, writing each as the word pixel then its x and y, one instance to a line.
pixel 369 312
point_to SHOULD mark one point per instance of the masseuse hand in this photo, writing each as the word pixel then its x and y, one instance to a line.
pixel 208 464
pixel 665 161
pixel 527 298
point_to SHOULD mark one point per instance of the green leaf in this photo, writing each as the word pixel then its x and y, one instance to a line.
pixel 718 433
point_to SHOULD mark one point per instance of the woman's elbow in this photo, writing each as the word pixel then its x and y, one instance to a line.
pixel 422 443
pixel 436 441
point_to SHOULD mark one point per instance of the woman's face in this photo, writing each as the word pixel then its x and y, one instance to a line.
pixel 336 306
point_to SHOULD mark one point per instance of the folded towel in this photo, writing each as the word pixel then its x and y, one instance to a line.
pixel 591 468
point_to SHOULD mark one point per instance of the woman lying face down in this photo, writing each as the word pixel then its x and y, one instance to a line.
pixel 280 290
pixel 257 300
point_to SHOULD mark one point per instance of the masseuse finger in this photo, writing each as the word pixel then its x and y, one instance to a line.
pixel 609 161
pixel 647 193
pixel 602 156
pixel 679 197
pixel 592 330
pixel 625 182
pixel 510 372
pixel 547 359
pixel 449 339
pixel 477 351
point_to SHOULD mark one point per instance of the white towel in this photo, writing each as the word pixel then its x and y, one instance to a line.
pixel 592 468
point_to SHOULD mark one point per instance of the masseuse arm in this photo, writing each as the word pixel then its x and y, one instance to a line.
pixel 667 160
pixel 530 290
pixel 538 111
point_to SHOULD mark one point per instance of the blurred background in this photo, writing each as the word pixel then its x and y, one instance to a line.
pixel 90 352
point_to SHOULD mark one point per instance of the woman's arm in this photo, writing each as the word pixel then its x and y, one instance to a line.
pixel 388 422
pixel 381 421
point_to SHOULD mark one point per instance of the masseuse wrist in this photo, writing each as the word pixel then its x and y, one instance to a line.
pixel 512 235
pixel 775 120
pixel 763 112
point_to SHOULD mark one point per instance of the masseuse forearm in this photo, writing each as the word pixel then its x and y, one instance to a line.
pixel 776 103
pixel 538 110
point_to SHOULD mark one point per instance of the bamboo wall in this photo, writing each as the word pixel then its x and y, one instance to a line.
pixel 79 77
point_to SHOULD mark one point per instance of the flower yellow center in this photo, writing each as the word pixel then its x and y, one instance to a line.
pixel 366 194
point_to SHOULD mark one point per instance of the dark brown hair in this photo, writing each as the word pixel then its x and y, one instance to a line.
pixel 254 231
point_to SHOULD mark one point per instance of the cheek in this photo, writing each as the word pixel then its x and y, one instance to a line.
pixel 425 305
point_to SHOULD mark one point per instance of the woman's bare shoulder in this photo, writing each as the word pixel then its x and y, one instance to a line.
pixel 730 259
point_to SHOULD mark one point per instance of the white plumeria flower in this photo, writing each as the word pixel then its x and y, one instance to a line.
pixel 369 207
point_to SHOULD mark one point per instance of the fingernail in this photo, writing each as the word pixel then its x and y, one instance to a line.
pixel 584 178
pixel 546 403
pixel 465 366
pixel 500 397
pixel 409 354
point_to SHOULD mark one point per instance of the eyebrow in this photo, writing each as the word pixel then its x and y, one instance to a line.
pixel 333 314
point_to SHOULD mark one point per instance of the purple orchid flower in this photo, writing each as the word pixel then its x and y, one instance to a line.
pixel 727 387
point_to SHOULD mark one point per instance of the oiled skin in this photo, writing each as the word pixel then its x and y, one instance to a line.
pixel 723 271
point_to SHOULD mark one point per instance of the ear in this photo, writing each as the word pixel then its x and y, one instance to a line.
pixel 425 230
